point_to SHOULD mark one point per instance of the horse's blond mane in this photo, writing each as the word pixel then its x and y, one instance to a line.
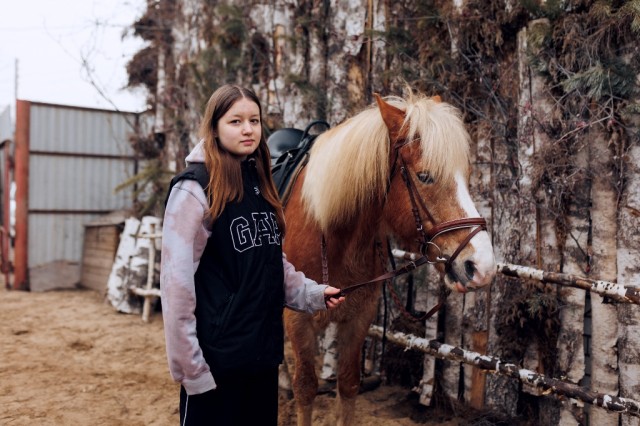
pixel 349 164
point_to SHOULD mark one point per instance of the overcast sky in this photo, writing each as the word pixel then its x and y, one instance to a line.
pixel 50 39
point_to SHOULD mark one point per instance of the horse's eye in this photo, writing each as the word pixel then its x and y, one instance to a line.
pixel 424 177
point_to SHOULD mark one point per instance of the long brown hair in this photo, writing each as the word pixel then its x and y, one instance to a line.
pixel 225 174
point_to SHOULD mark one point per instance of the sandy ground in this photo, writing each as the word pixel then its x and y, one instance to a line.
pixel 67 358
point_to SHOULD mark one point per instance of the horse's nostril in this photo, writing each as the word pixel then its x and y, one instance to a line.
pixel 452 275
pixel 469 269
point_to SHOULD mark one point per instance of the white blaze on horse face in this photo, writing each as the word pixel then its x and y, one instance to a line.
pixel 482 257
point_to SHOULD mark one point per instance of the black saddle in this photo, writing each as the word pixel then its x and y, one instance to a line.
pixel 283 140
pixel 289 149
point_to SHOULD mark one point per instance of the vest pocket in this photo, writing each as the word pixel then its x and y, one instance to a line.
pixel 219 322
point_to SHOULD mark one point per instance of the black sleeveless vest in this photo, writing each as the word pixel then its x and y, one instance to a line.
pixel 239 282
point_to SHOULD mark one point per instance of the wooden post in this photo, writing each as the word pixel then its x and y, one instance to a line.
pixel 146 307
pixel 21 254
pixel 148 293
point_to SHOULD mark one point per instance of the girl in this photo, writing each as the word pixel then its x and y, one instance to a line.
pixel 224 279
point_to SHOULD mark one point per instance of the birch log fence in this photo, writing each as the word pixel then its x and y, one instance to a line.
pixel 618 292
pixel 495 365
pixel 629 295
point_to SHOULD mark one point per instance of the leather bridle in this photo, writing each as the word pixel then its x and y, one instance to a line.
pixel 426 237
pixel 438 229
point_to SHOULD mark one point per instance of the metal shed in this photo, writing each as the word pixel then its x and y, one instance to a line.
pixel 68 162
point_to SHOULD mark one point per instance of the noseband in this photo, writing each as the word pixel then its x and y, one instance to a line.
pixel 427 237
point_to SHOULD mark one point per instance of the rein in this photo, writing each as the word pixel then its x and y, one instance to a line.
pixel 426 237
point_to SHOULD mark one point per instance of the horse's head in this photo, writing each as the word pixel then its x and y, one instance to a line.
pixel 428 204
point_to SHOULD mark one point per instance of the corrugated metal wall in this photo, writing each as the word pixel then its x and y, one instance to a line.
pixel 77 157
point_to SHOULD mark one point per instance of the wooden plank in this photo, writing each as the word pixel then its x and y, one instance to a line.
pixel 96 254
pixel 98 261
pixel 95 274
pixel 91 244
pixel 94 281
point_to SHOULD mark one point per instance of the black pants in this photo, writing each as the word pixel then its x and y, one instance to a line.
pixel 240 399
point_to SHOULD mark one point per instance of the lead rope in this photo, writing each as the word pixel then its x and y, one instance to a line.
pixel 325 263
pixel 384 297
pixel 410 315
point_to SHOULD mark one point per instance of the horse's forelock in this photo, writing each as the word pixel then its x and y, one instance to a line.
pixel 443 138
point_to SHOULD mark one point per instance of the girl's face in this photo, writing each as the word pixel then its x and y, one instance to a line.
pixel 239 130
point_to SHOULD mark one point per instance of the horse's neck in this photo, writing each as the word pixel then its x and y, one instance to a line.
pixel 355 242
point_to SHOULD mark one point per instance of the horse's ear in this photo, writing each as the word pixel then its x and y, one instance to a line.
pixel 393 117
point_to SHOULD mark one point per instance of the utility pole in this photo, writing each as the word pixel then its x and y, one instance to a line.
pixel 15 82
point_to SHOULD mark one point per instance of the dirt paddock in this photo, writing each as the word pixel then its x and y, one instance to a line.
pixel 67 358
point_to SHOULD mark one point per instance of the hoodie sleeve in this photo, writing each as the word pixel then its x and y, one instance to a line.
pixel 184 237
pixel 301 293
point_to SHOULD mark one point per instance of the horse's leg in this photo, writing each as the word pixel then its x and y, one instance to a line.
pixel 301 333
pixel 351 337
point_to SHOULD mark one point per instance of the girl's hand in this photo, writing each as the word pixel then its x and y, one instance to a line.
pixel 333 297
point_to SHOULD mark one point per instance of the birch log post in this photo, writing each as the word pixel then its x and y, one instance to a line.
pixel 476 314
pixel 117 293
pixel 628 253
pixel 540 113
pixel 131 266
pixel 604 330
pixel 514 240
pixel 277 24
pixel 571 350
pixel 452 333
pixel 187 33
pixel 378 64
pixel 425 300
pixel 456 304
pixel 427 296
pixel 496 366
pixel 345 74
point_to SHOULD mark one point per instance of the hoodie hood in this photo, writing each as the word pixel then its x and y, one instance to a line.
pixel 197 155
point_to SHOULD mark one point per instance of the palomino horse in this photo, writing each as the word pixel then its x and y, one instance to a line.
pixel 400 168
